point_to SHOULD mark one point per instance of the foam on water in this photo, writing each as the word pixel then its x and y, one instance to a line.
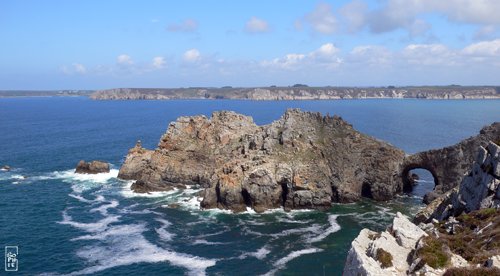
pixel 202 241
pixel 162 231
pixel 134 248
pixel 281 263
pixel 260 254
pixel 128 193
pixel 334 227
pixel 103 209
pixel 98 226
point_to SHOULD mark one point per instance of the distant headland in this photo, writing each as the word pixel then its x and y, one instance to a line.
pixel 300 92
pixel 294 92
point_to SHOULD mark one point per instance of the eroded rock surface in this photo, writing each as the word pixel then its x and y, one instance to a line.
pixel 302 160
pixel 92 167
pixel 448 165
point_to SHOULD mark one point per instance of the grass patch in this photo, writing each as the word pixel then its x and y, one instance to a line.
pixel 433 254
pixel 478 271
pixel 384 257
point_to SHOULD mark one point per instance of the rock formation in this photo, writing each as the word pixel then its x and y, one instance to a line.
pixel 457 232
pixel 479 189
pixel 448 165
pixel 5 168
pixel 92 167
pixel 302 160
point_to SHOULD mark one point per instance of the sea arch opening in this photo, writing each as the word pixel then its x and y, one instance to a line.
pixel 419 179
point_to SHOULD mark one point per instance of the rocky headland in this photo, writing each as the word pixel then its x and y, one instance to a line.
pixel 457 234
pixel 302 160
pixel 300 92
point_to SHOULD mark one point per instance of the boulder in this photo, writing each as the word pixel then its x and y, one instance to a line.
pixel 92 167
pixel 5 168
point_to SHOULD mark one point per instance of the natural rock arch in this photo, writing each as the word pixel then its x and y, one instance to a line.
pixel 449 165
pixel 407 182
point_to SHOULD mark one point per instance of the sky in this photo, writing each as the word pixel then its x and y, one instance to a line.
pixel 95 44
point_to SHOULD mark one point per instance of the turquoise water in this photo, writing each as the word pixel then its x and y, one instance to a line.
pixel 71 224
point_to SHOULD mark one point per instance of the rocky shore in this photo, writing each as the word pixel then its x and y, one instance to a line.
pixel 300 93
pixel 457 234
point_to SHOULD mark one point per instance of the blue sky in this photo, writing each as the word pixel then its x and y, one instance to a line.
pixel 105 44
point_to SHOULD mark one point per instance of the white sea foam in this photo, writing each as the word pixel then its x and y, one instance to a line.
pixel 103 209
pixel 134 248
pixel 71 176
pixel 202 241
pixel 162 231
pixel 118 230
pixel 260 254
pixel 315 228
pixel 128 193
pixel 98 226
pixel 281 263
pixel 334 227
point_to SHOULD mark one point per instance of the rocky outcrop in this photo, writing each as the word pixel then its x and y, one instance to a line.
pixel 457 232
pixel 399 240
pixel 5 168
pixel 92 167
pixel 479 189
pixel 409 250
pixel 302 160
pixel 449 165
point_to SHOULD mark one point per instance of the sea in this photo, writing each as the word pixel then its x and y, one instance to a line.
pixel 70 224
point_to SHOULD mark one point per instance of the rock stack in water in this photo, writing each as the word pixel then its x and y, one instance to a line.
pixel 92 167
pixel 302 160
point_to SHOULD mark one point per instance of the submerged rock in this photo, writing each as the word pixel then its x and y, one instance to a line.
pixel 92 167
pixel 302 160
pixel 5 168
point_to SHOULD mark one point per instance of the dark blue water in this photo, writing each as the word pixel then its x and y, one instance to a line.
pixel 69 224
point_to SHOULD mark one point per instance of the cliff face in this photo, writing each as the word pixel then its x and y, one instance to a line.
pixel 458 232
pixel 298 93
pixel 302 160
pixel 448 165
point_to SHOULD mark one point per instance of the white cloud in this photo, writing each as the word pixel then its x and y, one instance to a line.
pixel 79 68
pixel 355 15
pixel 158 62
pixel 186 26
pixel 324 56
pixel 192 55
pixel 124 60
pixel 484 48
pixel 256 25
pixel 406 14
pixel 428 54
pixel 485 32
pixel 322 19
pixel 75 68
pixel 371 55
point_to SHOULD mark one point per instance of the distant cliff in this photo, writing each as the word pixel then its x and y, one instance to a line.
pixel 299 93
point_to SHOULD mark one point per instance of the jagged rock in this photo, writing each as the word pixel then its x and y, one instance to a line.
pixel 5 168
pixel 302 160
pixel 448 165
pixel 493 262
pixel 406 233
pixel 430 197
pixel 479 189
pixel 399 240
pixel 92 167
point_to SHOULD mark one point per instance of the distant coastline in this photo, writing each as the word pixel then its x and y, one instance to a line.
pixel 296 92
